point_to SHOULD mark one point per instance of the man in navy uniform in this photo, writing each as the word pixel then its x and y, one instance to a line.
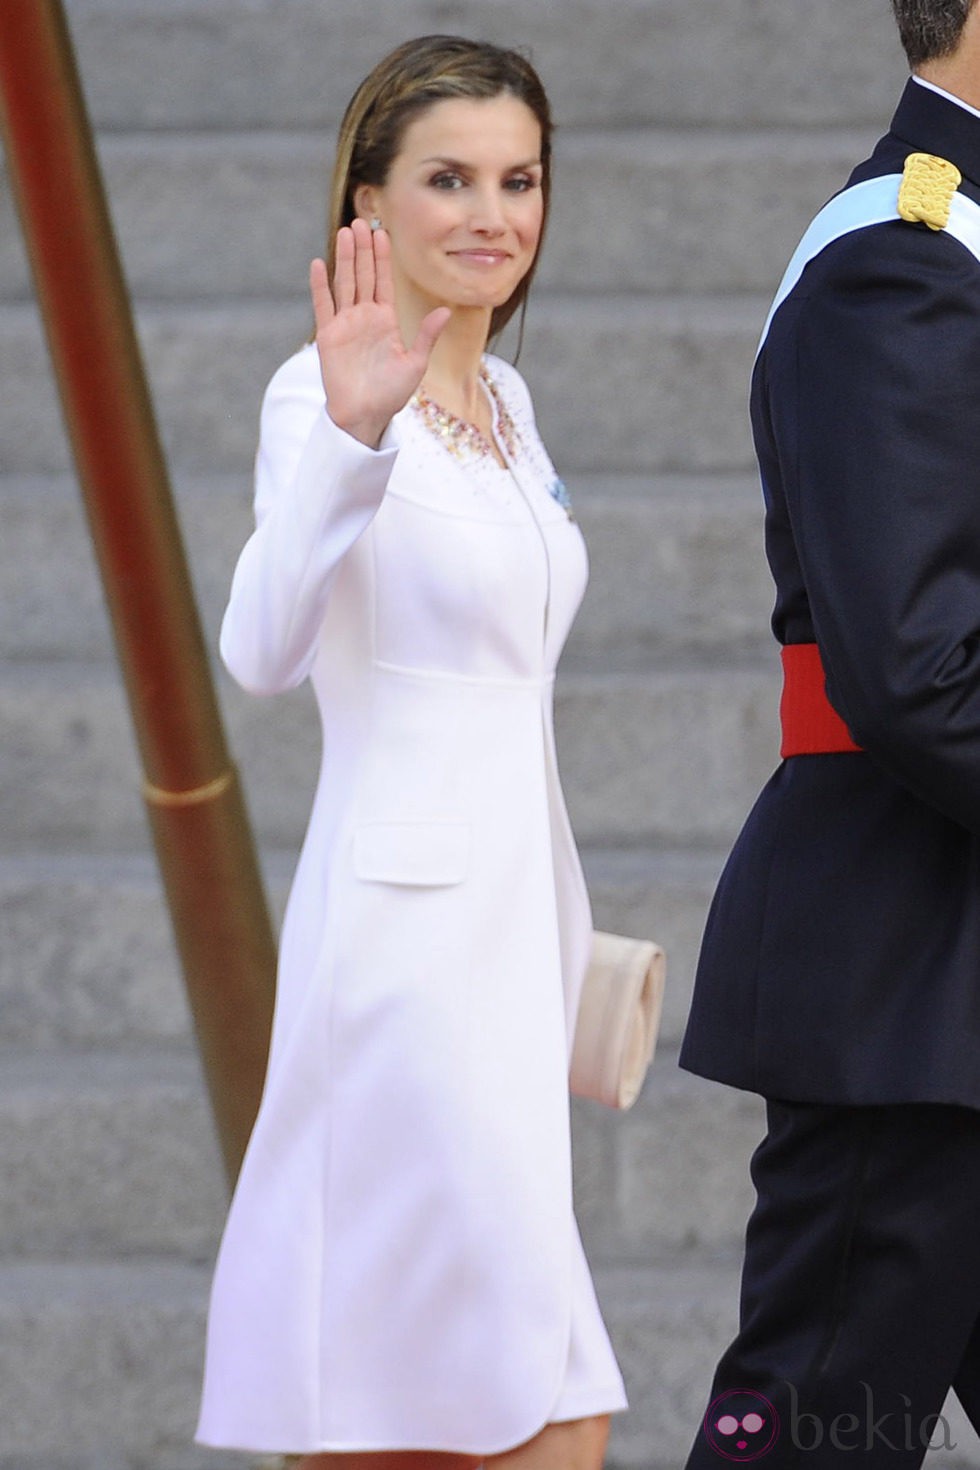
pixel 840 970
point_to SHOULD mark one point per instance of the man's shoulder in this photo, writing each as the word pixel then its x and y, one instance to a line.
pixel 875 253
pixel 866 231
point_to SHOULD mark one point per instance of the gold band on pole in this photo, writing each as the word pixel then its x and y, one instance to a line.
pixel 210 791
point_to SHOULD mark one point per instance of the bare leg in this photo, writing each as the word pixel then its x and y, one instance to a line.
pixel 575 1444
pixel 388 1460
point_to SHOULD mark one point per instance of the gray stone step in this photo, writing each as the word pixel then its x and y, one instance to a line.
pixel 108 1155
pixel 223 64
pixel 677 567
pixel 661 895
pixel 668 1180
pixel 110 1456
pixel 87 960
pixel 217 216
pixel 675 757
pixel 112 1154
pixel 622 384
pixel 86 956
pixel 699 211
pixel 630 384
pixel 51 601
pixel 677 570
pixel 100 1364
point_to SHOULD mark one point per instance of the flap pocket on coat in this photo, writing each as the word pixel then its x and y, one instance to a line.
pixel 412 852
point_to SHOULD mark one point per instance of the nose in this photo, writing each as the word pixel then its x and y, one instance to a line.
pixel 488 216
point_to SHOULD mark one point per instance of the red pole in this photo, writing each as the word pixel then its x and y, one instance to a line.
pixel 201 832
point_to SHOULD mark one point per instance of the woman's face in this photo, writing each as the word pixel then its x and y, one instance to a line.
pixel 462 203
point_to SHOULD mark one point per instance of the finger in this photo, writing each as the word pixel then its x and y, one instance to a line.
pixel 429 331
pixel 343 276
pixel 320 292
pixel 363 260
pixel 384 282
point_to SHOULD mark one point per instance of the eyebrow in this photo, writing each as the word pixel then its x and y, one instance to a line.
pixel 457 163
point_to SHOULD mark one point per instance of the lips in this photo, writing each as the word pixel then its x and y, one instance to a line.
pixel 481 257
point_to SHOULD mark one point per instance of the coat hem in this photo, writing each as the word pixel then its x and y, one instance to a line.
pixel 610 1398
pixel 607 1398
pixel 582 1406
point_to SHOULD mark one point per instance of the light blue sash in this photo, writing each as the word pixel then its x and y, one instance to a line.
pixel 874 202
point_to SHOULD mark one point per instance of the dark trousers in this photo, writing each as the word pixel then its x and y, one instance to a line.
pixel 860 1291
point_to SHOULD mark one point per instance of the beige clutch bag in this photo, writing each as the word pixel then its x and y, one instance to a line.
pixel 618 1018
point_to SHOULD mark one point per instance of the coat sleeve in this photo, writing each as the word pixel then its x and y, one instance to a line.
pixel 874 393
pixel 316 491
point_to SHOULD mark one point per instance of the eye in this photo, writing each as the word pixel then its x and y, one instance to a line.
pixel 521 183
pixel 447 179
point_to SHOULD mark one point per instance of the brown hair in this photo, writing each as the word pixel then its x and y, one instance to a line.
pixel 408 80
pixel 930 28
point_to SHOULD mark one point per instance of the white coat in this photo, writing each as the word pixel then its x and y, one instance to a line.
pixel 401 1266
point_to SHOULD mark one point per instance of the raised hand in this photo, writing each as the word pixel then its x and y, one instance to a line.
pixel 368 372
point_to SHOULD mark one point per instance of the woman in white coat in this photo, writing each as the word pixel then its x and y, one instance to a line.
pixel 401 1282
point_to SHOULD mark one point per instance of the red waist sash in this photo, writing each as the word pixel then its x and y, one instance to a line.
pixel 811 725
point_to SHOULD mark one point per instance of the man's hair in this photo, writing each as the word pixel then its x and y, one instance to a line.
pixel 930 28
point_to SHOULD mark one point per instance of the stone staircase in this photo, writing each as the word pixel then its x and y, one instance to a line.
pixel 695 141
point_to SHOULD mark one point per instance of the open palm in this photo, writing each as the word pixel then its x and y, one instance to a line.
pixel 368 372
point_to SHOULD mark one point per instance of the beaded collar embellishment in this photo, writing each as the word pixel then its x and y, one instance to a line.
pixel 464 440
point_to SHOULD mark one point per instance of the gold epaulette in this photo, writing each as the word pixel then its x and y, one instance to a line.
pixel 928 186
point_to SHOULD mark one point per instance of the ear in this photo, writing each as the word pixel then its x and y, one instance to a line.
pixel 366 201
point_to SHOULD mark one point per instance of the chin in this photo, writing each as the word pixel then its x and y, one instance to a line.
pixel 485 291
pixel 487 300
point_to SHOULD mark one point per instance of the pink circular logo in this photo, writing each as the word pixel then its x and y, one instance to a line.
pixel 741 1425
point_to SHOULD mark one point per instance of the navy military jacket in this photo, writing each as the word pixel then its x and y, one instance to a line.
pixel 841 958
